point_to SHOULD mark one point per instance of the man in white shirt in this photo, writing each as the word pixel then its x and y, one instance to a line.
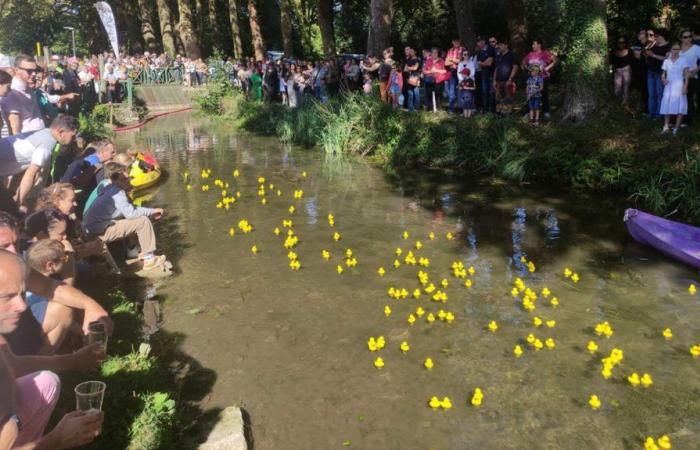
pixel 691 52
pixel 20 108
pixel 31 153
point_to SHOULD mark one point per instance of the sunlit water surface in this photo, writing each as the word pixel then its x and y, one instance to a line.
pixel 291 347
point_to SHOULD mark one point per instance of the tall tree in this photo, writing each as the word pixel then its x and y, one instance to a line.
pixel 325 22
pixel 214 22
pixel 235 28
pixel 255 33
pixel 464 13
pixel 586 65
pixel 517 26
pixel 286 22
pixel 147 29
pixel 185 28
pixel 381 17
pixel 167 34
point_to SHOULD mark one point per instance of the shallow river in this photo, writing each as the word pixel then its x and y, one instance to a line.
pixel 291 347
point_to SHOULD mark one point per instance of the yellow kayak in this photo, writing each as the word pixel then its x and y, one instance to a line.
pixel 140 178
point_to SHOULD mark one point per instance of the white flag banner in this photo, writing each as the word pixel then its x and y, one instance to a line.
pixel 107 18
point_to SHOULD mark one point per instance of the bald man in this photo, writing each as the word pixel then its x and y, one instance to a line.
pixel 35 387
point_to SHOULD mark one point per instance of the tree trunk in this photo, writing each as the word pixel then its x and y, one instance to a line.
pixel 147 28
pixel 464 13
pixel 381 16
pixel 214 23
pixel 187 31
pixel 166 27
pixel 324 14
pixel 585 68
pixel 517 26
pixel 202 27
pixel 235 29
pixel 255 33
pixel 286 22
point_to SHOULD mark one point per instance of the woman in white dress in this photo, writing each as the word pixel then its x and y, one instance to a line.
pixel 675 76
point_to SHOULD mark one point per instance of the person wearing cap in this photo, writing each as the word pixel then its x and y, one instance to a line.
pixel 20 108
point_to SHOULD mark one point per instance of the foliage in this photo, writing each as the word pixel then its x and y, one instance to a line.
pixel 610 153
pixel 92 126
pixel 151 427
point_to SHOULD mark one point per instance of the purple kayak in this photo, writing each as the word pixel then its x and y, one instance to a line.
pixel 677 240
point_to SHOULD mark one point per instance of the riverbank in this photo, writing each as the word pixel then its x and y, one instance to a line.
pixel 613 153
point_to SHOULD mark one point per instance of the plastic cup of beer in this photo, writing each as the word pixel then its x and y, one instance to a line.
pixel 89 395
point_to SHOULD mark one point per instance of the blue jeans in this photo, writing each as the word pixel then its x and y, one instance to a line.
pixel 656 91
pixel 451 87
pixel 413 97
pixel 487 100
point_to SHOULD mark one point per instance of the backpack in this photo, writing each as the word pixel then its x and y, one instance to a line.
pixel 384 72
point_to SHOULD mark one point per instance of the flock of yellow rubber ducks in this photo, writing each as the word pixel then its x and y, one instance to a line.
pixel 436 292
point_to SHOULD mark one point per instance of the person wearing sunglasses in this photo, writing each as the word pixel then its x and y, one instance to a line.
pixel 675 77
pixel 20 107
pixel 691 52
pixel 656 50
pixel 621 60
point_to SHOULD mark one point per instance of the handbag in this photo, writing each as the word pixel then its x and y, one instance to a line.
pixel 414 80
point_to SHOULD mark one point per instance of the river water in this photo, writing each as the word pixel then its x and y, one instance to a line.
pixel 290 347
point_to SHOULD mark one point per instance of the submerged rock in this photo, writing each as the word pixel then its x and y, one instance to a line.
pixel 228 433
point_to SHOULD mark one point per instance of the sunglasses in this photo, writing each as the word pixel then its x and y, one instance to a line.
pixel 650 34
pixel 29 71
pixel 687 36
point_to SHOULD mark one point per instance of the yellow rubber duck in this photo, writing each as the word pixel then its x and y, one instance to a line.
pixel 531 267
pixel 538 344
pixel 594 401
pixel 430 288
pixel 277 231
pixel 441 315
pixel 254 249
pixel 231 231
pixel 530 338
pixel 405 347
pixel 514 292
pixel 431 236
pixel 411 319
pixel 424 262
pixel 550 343
pixel 381 271
pixel 692 289
pixel 238 194
pixel 567 272
pixel 545 292
pixel 261 180
pixel 592 347
pixel 339 269
pixel 471 270
pixel 646 380
pixel 664 442
pixel 295 264
pixel 518 351
pixel 449 317
pixel 493 326
pixel 467 283
pixel 428 363
pixel 419 245
pixel 263 201
pixel 405 234
pixel 536 321
pixel 446 403
pixel 650 444
pixel 554 302
pixel 236 173
pixel 434 403
pixel 551 323
pixel 420 311
pixel 336 236
pixel 695 350
pixel 416 293
pixel 303 174
pixel 444 283
pixel 279 193
pixel 634 379
pixel 292 256
pixel 478 397
pixel 430 318
pixel 397 264
pixel 379 362
pixel 387 310
pixel 188 187
pixel 575 278
pixel 381 342
pixel 325 254
pixel 667 334
pixel 205 188
pixel 449 236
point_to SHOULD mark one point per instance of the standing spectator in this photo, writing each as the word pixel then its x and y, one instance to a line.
pixel 395 85
pixel 639 69
pixel 112 84
pixel 621 60
pixel 412 82
pixel 282 80
pixel 292 87
pixel 691 52
pixel 5 81
pixel 353 75
pixel 485 56
pixel 655 53
pixel 504 77
pixel 675 75
pixel 256 86
pixel 546 60
pixel 535 85
pixel 384 72
pixel 466 70
pixel 19 106
pixel 270 83
pixel 201 71
pixel 434 75
pixel 452 58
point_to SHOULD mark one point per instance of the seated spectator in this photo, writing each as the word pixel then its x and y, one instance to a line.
pixel 113 217
pixel 63 300
pixel 30 154
pixel 29 389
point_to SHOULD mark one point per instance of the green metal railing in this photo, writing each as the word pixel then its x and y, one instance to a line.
pixel 170 75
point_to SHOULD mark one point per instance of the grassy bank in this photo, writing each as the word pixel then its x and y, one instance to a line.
pixel 611 153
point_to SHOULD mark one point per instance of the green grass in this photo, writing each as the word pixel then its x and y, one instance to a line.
pixel 611 153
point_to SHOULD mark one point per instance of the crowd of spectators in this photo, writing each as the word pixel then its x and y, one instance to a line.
pixel 62 201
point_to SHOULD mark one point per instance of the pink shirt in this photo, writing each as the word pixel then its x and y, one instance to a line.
pixel 542 58
pixel 455 54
